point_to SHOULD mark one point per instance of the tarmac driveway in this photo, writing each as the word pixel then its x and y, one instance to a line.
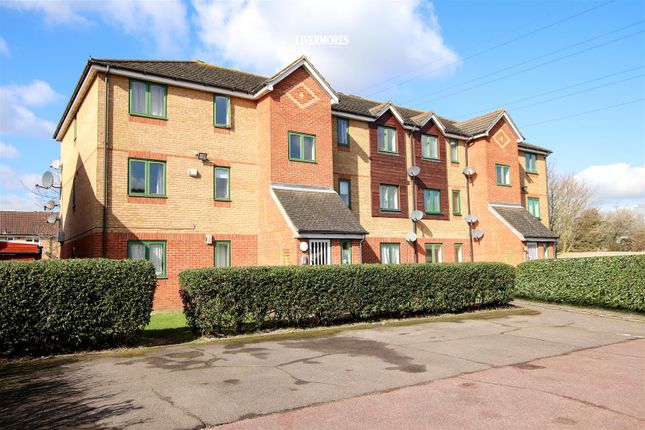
pixel 210 383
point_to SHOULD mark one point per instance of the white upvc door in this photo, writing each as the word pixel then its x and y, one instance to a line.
pixel 532 253
pixel 319 252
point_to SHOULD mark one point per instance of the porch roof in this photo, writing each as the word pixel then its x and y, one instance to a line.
pixel 522 222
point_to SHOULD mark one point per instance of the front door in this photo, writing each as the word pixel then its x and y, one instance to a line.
pixel 319 252
pixel 532 253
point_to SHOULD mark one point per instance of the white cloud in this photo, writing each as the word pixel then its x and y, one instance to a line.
pixel 4 48
pixel 384 39
pixel 8 151
pixel 618 184
pixel 16 116
pixel 12 180
pixel 164 22
pixel 16 202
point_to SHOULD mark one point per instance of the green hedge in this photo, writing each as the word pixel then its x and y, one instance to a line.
pixel 233 300
pixel 609 282
pixel 53 306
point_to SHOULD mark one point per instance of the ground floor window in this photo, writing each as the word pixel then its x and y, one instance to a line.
pixel 434 253
pixel 390 253
pixel 531 251
pixel 222 253
pixel 345 252
pixel 152 250
pixel 459 253
pixel 546 250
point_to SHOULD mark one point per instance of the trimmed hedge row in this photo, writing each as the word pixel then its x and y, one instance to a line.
pixel 234 300
pixel 53 306
pixel 609 282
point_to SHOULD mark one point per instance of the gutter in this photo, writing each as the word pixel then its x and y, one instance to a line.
pixel 106 141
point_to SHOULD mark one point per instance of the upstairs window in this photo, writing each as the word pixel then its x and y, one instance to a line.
pixel 342 126
pixel 456 202
pixel 533 204
pixel 344 191
pixel 387 140
pixel 153 251
pixel 432 201
pixel 222 183
pixel 147 178
pixel 390 253
pixel 302 147
pixel 454 151
pixel 503 175
pixel 222 111
pixel 429 147
pixel 389 197
pixel 434 253
pixel 148 99
pixel 531 163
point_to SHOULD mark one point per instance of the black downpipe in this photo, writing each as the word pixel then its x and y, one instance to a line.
pixel 105 164
pixel 470 226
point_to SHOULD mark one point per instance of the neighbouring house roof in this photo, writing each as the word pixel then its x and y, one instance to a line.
pixel 521 221
pixel 26 223
pixel 196 72
pixel 531 147
pixel 315 210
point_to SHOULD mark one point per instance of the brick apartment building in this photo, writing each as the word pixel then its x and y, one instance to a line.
pixel 192 165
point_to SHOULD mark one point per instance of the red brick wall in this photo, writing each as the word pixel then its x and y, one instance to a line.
pixel 388 169
pixel 434 173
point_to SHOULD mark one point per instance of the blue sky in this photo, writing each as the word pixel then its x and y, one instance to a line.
pixel 571 73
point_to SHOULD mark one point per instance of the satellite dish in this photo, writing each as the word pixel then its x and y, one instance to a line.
pixel 48 179
pixel 469 171
pixel 414 171
pixel 471 219
pixel 50 204
pixel 411 236
pixel 52 218
pixel 55 164
pixel 416 215
pixel 478 234
pixel 304 246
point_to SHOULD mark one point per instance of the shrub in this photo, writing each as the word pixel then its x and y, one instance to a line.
pixel 609 282
pixel 239 299
pixel 52 306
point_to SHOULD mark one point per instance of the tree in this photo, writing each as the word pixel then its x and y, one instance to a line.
pixel 624 230
pixel 588 234
pixel 568 199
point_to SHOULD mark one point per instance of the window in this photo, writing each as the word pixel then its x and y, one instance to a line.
pixel 344 191
pixel 73 196
pixel 147 178
pixel 222 183
pixel 345 252
pixel 390 253
pixel 429 147
pixel 222 111
pixel 503 174
pixel 532 251
pixel 454 151
pixel 546 250
pixel 533 204
pixel 153 251
pixel 387 139
pixel 148 99
pixel 389 196
pixel 222 253
pixel 432 201
pixel 302 147
pixel 342 126
pixel 459 253
pixel 531 163
pixel 456 202
pixel 434 253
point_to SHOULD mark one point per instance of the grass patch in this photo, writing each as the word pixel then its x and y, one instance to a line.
pixel 167 328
